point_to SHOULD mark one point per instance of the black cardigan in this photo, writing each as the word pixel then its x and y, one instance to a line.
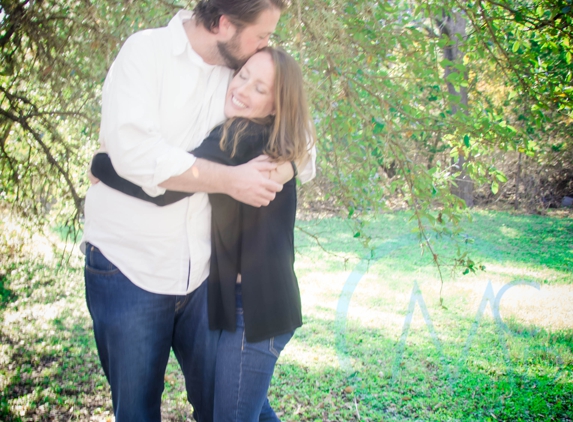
pixel 271 298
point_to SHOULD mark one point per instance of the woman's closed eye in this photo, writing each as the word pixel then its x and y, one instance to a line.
pixel 250 93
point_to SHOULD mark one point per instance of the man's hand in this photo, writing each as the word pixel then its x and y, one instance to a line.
pixel 250 182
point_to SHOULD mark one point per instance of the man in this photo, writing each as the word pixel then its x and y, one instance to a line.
pixel 146 266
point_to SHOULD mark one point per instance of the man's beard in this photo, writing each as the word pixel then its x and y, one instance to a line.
pixel 229 51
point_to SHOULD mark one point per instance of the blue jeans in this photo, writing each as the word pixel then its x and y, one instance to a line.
pixel 135 331
pixel 244 372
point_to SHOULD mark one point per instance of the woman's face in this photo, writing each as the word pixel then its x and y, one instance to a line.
pixel 251 92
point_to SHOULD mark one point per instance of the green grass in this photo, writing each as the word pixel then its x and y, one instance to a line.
pixel 359 362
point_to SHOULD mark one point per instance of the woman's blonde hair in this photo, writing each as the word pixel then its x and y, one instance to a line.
pixel 291 128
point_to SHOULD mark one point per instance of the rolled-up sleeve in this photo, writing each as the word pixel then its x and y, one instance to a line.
pixel 131 129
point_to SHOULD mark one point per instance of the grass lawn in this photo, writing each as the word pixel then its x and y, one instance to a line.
pixel 376 344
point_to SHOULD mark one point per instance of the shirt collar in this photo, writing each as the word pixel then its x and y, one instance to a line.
pixel 181 41
pixel 178 34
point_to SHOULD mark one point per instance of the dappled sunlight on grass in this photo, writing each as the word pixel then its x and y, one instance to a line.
pixel 550 307
pixel 309 356
pixel 509 232
pixel 404 370
pixel 320 292
pixel 51 368
pixel 373 360
pixel 372 318
pixel 38 316
pixel 518 270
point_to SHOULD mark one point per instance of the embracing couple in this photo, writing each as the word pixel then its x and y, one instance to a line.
pixel 189 232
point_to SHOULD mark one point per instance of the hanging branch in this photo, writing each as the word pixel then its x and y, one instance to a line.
pixel 46 150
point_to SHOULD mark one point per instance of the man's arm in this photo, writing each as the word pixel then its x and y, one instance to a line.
pixel 135 143
pixel 246 183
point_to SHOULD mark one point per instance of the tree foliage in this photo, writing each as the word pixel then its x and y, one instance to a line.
pixel 398 112
pixel 411 98
pixel 54 55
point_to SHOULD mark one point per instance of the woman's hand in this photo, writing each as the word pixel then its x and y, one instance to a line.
pixel 93 180
pixel 283 173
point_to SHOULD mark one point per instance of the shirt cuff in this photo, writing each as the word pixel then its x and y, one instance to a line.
pixel 170 164
pixel 307 173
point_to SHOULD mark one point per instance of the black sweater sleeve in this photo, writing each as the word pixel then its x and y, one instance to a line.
pixel 250 146
pixel 103 169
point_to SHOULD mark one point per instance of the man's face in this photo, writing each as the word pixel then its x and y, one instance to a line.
pixel 250 39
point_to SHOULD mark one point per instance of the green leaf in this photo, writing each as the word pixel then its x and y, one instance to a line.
pixel 494 187
pixel 453 77
pixel 467 141
pixel 443 41
pixel 378 126
pixel 445 63
pixel 518 17
pixel 501 177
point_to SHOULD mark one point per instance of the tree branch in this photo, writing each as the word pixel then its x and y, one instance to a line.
pixel 38 138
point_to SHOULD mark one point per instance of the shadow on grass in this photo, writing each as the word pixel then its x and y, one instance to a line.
pixel 49 369
pixel 526 376
pixel 51 376
pixel 530 239
pixel 497 237
pixel 7 295
pixel 535 385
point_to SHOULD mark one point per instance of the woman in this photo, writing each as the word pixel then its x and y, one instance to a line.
pixel 253 291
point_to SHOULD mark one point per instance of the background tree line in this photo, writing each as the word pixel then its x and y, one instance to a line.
pixel 437 105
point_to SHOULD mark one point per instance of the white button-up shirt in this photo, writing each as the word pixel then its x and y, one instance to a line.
pixel 160 99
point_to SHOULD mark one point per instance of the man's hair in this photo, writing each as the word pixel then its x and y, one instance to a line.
pixel 241 13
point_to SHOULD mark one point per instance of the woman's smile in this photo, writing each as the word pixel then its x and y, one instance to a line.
pixel 251 92
pixel 237 102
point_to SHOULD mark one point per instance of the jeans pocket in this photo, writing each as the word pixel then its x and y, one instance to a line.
pixel 278 343
pixel 97 263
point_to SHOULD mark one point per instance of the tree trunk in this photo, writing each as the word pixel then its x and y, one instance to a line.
pixel 517 182
pixel 453 25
